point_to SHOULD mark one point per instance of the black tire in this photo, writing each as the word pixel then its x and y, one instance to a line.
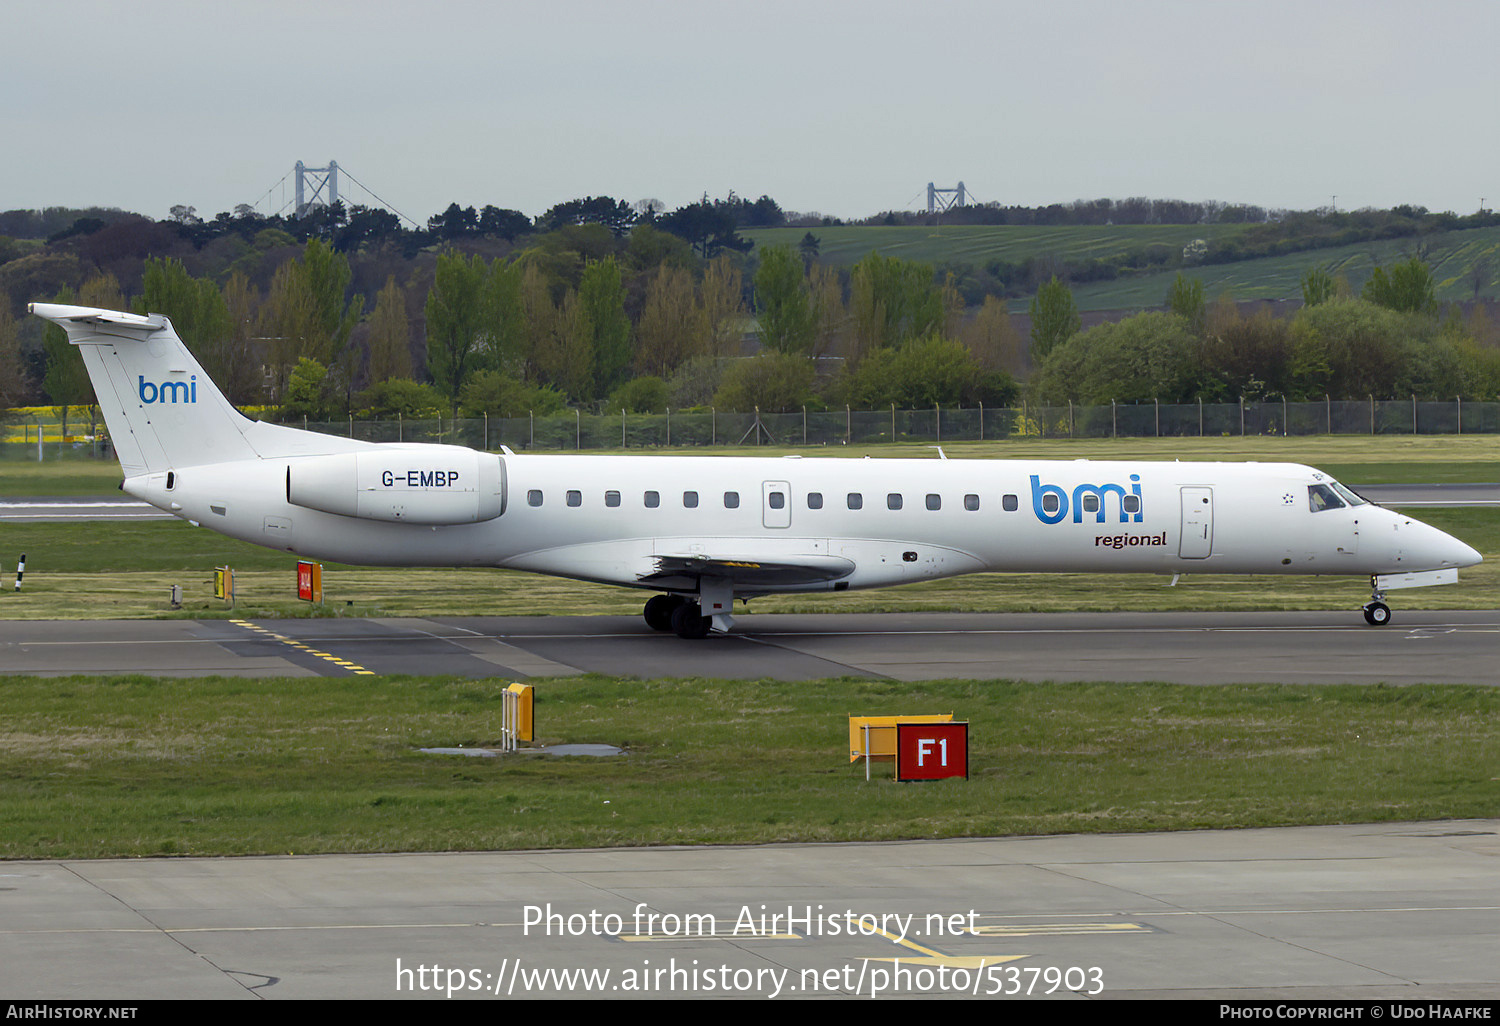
pixel 1377 614
pixel 659 609
pixel 689 623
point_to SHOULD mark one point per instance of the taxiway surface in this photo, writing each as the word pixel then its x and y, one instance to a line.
pixel 1396 911
pixel 1456 647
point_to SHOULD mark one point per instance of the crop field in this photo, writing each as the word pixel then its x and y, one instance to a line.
pixel 1450 255
pixel 979 244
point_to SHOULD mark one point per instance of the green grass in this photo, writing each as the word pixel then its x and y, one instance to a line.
pixel 97 768
pixel 1450 254
pixel 78 571
pixel 979 244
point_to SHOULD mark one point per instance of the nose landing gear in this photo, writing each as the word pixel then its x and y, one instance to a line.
pixel 1377 613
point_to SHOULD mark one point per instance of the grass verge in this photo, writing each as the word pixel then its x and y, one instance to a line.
pixel 134 766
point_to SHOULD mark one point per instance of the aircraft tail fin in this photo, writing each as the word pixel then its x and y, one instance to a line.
pixel 162 409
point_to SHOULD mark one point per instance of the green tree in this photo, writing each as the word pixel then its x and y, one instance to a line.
pixel 1185 299
pixel 198 312
pixel 601 296
pixel 1408 287
pixel 307 391
pixel 645 394
pixel 1054 319
pixel 12 388
pixel 403 397
pixel 788 321
pixel 922 373
pixel 390 336
pixel 1150 356
pixel 458 338
pixel 892 300
pixel 771 383
pixel 1317 286
pixel 500 394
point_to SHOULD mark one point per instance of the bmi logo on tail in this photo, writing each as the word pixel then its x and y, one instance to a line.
pixel 168 391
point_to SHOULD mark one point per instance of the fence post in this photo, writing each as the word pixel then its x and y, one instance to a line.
pixel 1200 416
pixel 1114 419
pixel 1328 404
pixel 1070 418
pixel 937 412
pixel 532 417
pixel 669 427
pixel 1242 416
pixel 893 421
pixel 1283 415
pixel 1413 414
pixel 804 425
pixel 848 426
pixel 713 425
pixel 1460 401
pixel 1158 416
pixel 351 425
pixel 1372 414
pixel 578 415
pixel 486 430
pixel 981 422
pixel 400 428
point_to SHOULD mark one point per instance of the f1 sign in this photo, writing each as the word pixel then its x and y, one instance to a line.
pixel 932 751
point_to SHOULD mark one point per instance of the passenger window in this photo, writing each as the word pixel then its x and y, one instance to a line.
pixel 778 500
pixel 814 500
pixel 575 498
pixel 1010 503
pixel 534 497
pixel 690 500
pixel 1049 502
pixel 893 500
pixel 731 500
pixel 934 501
pixel 1131 504
pixel 971 502
pixel 856 500
pixel 653 500
pixel 1091 503
pixel 1321 497
pixel 611 499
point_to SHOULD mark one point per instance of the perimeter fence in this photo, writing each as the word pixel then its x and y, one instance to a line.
pixel 34 434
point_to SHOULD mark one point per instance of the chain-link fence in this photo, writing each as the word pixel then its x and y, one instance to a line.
pixel 575 430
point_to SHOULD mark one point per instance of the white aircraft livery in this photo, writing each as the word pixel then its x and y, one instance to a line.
pixel 703 530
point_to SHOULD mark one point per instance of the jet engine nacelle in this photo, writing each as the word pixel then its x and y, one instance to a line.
pixel 413 484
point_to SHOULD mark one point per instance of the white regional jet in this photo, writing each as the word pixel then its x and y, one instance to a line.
pixel 703 530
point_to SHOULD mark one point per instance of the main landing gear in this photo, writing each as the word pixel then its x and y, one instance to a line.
pixel 1377 613
pixel 677 614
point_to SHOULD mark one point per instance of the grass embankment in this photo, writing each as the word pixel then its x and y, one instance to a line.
pixel 134 766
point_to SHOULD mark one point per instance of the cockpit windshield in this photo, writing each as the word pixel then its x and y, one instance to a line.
pixel 1352 497
pixel 1331 496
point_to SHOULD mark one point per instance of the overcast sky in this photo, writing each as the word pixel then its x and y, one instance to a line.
pixel 847 108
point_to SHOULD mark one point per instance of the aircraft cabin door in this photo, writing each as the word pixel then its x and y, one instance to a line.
pixel 1197 523
pixel 776 503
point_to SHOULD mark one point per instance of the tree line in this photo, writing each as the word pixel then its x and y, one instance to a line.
pixel 605 305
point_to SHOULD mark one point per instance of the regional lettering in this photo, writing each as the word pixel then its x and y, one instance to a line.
pixel 420 478
pixel 1128 541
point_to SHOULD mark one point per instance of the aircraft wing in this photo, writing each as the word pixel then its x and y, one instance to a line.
pixel 748 570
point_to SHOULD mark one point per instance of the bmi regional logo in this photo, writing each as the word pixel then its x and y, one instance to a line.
pixel 1051 502
pixel 168 391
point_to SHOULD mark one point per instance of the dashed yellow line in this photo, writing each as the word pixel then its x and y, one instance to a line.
pixel 346 664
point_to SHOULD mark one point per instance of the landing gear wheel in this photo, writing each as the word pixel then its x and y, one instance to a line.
pixel 689 623
pixel 659 609
pixel 1377 614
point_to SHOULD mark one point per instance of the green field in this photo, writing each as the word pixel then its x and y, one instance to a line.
pixel 135 767
pixel 1450 254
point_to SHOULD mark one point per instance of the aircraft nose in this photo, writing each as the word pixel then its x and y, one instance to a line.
pixel 1435 550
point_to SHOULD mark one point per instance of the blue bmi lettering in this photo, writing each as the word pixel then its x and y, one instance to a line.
pixel 179 391
pixel 1050 501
